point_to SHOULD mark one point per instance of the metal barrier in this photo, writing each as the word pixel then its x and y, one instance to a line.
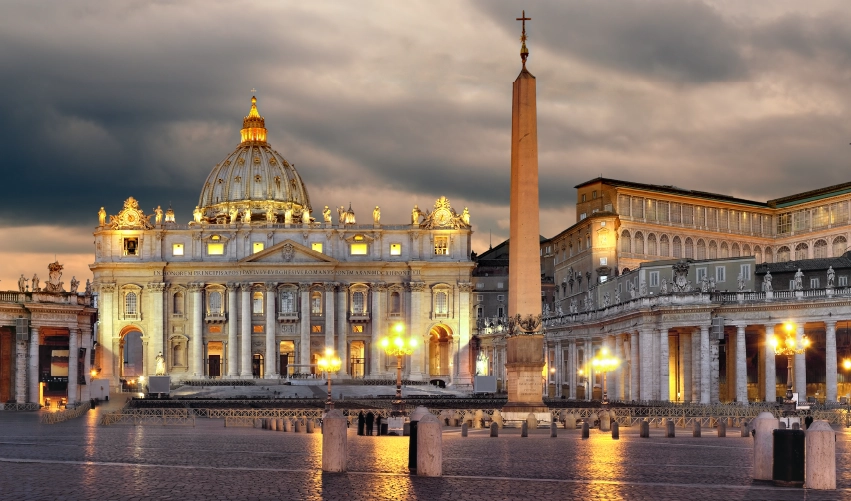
pixel 12 406
pixel 64 415
pixel 164 417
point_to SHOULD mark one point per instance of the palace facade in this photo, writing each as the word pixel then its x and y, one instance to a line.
pixel 259 284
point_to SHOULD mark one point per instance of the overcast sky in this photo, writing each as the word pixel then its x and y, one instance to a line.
pixel 398 103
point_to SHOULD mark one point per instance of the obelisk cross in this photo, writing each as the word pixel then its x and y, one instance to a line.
pixel 524 52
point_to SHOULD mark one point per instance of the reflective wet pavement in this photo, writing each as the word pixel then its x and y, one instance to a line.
pixel 80 460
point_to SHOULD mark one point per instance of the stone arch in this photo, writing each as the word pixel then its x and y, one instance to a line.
pixel 689 249
pixel 652 249
pixel 440 339
pixel 638 243
pixel 677 247
pixel 664 246
pixel 783 254
pixel 626 242
pixel 802 251
pixel 840 244
pixel 820 249
pixel 131 352
pixel 701 249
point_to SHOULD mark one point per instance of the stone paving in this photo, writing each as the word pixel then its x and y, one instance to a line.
pixel 79 460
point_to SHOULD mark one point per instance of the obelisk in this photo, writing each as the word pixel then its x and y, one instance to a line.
pixel 525 345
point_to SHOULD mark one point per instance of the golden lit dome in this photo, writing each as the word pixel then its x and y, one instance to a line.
pixel 255 177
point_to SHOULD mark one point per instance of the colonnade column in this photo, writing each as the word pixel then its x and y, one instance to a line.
pixel 704 364
pixel 657 365
pixel 465 373
pixel 272 351
pixel 245 323
pixel 645 344
pixel 343 329
pixel 106 295
pixel 33 366
pixel 685 363
pixel 571 369
pixel 158 323
pixel 589 369
pixel 664 366
pixel 695 365
pixel 830 361
pixel 618 379
pixel 634 366
pixel 21 371
pixel 73 366
pixel 418 368
pixel 559 367
pixel 304 345
pixel 376 368
pixel 801 365
pixel 770 366
pixel 741 367
pixel 197 369
pixel 330 287
pixel 233 329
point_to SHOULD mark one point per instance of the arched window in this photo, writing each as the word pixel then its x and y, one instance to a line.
pixel 626 242
pixel 288 301
pixel 358 303
pixel 801 251
pixel 757 254
pixel 177 304
pixel 769 256
pixel 713 250
pixel 395 303
pixel 783 254
pixel 651 244
pixel 678 247
pixel 664 247
pixel 839 246
pixel 820 249
pixel 441 304
pixel 316 303
pixel 689 249
pixel 725 250
pixel 746 250
pixel 638 244
pixel 570 248
pixel 177 356
pixel 130 304
pixel 215 302
pixel 701 249
pixel 257 303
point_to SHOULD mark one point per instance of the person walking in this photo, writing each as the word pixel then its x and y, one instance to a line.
pixel 370 421
pixel 361 423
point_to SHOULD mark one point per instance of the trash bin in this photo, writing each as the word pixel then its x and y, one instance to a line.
pixel 384 429
pixel 788 468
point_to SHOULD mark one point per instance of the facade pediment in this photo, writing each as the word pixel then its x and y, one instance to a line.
pixel 288 251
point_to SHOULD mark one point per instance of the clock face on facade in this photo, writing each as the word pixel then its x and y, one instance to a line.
pixel 442 217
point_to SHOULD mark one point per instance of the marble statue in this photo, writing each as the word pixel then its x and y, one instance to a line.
pixel 326 215
pixel 246 216
pixel 546 312
pixel 559 310
pixel 799 280
pixel 288 214
pixel 632 291
pixel 102 216
pixel 606 300
pixel 766 282
pixel 617 296
pixel 711 284
pixel 270 214
pixel 305 216
pixel 415 215
pixel 465 217
pixel 573 305
pixel 234 215
pixel 74 285
pixel 22 283
pixel 740 280
pixel 88 287
pixel 35 283
pixel 663 289
pixel 831 275
pixel 158 215
pixel 197 214
pixel 376 215
pixel 341 211
pixel 160 365
pixel 704 284
pixel 642 291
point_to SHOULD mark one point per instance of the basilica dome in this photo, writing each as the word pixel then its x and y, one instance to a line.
pixel 253 183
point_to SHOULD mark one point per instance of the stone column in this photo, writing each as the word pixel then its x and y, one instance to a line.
pixel 245 324
pixel 685 363
pixel 418 368
pixel 571 369
pixel 714 371
pixel 801 365
pixel 589 369
pixel 197 364
pixel 664 366
pixel 770 366
pixel 559 367
pixel 343 329
pixel 304 356
pixel 830 361
pixel 329 319
pixel 645 343
pixel 73 355
pixel 705 359
pixel 741 367
pixel 106 336
pixel 634 367
pixel 233 330
pixel 21 371
pixel 616 383
pixel 33 366
pixel 465 372
pixel 272 351
pixel 376 367
pixel 86 342
pixel 657 364
pixel 156 290
pixel 695 366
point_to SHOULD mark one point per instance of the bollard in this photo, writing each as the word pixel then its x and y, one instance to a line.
pixel 669 429
pixel 605 421
pixel 820 457
pixel 273 424
pixel 258 423
pixel 553 432
pixel 334 447
pixel 309 426
pixel 796 426
pixel 478 419
pixel 722 429
pixel 524 429
pixel 265 423
pixel 782 425
pixel 464 430
pixel 696 432
pixel 288 425
pixel 585 430
pixel 763 445
pixel 429 447
pixel 532 421
pixel 298 425
pixel 616 431
pixel 644 429
pixel 494 430
pixel 569 422
pixel 415 417
pixel 745 428
pixel 497 418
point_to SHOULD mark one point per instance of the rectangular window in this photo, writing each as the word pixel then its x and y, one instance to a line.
pixel 604 261
pixel 843 281
pixel 700 217
pixel 215 249
pixel 316 329
pixel 623 205
pixel 650 210
pixel 603 278
pixel 499 285
pixel 500 298
pixel 500 312
pixel 288 302
pixel 258 329
pixel 637 208
pixel 441 303
pixel 316 247
pixel 593 194
pixel 395 249
pixel 177 249
pixel 357 329
pixel 583 216
pixel 745 270
pixel 814 283
pixel 720 274
pixel 801 220
pixel 131 246
pixel 479 312
pixel 792 284
pixel 701 272
pixel 257 247
pixel 784 223
pixel 654 279
pixel 480 297
pixel 358 249
pixel 688 214
pixel 480 285
pixel 583 197
pixel 441 246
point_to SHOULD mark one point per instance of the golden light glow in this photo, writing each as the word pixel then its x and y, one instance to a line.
pixel 254 125
pixel 603 362
pixel 329 363
pixel 397 345
pixel 789 345
pixel 846 364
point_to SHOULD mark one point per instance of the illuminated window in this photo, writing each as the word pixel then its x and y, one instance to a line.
pixel 315 303
pixel 257 303
pixel 358 303
pixel 130 303
pixel 316 246
pixel 441 246
pixel 288 302
pixel 177 249
pixel 357 329
pixel 215 249
pixel 131 246
pixel 358 249
pixel 257 247
pixel 316 329
pixel 395 249
pixel 441 304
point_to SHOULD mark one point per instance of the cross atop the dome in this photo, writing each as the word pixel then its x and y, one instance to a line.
pixel 524 52
pixel 253 90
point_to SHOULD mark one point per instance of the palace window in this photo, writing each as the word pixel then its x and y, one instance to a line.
pixel 215 248
pixel 843 281
pixel 130 304
pixel 316 303
pixel 395 249
pixel 441 246
pixel 177 304
pixel 839 213
pixel 500 311
pixel 500 298
pixel 316 329
pixel 783 254
pixel 720 274
pixel 131 246
pixel 814 283
pixel 654 279
pixel 216 303
pixel 664 247
pixel 257 247
pixel 678 247
pixel 288 301
pixel 700 273
pixel 441 306
pixel 821 216
pixel 358 249
pixel 840 244
pixel 177 249
pixel 820 249
pixel 784 223
pixel 358 303
pixel 257 303
pixel 801 220
pixel 395 304
pixel 745 270
pixel 316 247
pixel 479 312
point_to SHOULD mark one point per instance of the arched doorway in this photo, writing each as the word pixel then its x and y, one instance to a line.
pixel 439 351
pixel 257 366
pixel 132 356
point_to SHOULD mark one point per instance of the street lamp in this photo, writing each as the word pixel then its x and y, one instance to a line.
pixel 329 363
pixel 604 362
pixel 398 347
pixel 789 348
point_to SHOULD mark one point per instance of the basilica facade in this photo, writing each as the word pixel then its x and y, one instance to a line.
pixel 261 282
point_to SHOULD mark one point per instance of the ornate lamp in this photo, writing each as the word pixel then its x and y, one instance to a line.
pixel 789 347
pixel 328 364
pixel 397 346
pixel 605 362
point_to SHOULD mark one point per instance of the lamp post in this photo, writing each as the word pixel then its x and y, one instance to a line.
pixel 789 348
pixel 329 363
pixel 398 347
pixel 604 362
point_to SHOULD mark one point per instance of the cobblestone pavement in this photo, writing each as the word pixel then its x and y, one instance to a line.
pixel 79 460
